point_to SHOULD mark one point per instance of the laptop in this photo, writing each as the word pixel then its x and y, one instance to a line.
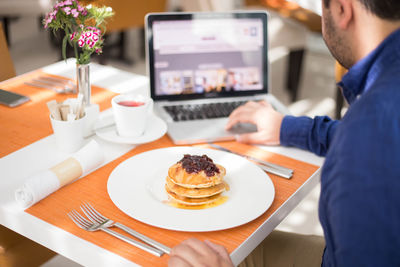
pixel 204 65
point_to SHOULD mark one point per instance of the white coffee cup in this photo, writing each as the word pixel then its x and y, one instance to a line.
pixel 68 134
pixel 130 118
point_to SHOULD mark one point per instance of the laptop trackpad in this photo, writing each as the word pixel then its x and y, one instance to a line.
pixel 241 128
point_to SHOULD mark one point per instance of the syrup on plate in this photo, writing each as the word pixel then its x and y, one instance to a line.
pixel 221 200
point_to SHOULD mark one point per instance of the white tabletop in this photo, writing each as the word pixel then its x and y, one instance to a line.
pixel 19 165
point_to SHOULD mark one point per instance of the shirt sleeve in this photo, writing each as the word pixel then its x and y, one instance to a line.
pixel 306 133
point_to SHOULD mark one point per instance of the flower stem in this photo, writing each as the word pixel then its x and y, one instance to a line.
pixel 76 51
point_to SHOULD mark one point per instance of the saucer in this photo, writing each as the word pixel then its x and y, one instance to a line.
pixel 155 129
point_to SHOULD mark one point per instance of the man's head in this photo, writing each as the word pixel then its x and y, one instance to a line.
pixel 342 35
pixel 384 9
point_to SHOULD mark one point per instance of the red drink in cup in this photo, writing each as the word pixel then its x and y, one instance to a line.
pixel 131 113
pixel 131 103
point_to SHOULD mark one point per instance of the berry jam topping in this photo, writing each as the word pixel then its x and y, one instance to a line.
pixel 196 164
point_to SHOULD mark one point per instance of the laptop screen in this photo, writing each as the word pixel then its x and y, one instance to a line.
pixel 207 54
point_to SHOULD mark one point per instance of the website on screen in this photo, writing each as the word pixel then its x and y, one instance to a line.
pixel 208 55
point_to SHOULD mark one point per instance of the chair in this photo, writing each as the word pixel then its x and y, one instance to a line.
pixel 16 250
pixel 6 67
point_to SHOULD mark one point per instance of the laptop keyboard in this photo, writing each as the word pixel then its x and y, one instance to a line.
pixel 202 111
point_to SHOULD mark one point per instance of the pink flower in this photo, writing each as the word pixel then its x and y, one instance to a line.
pixel 95 30
pixel 90 43
pixel 81 42
pixel 52 15
pixel 88 34
pixel 74 13
pixel 72 36
pixel 67 10
pixel 82 10
pixel 95 37
pixel 48 21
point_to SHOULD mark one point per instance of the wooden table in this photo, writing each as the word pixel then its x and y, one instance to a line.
pixel 27 152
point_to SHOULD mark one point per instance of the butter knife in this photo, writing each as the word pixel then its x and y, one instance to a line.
pixel 280 173
pixel 267 166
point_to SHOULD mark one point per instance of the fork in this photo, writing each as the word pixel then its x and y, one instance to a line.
pixel 96 217
pixel 68 87
pixel 58 89
pixel 58 80
pixel 90 226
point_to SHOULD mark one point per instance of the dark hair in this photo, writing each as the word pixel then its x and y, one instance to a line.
pixel 384 9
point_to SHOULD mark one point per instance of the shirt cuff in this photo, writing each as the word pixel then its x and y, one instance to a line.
pixel 295 131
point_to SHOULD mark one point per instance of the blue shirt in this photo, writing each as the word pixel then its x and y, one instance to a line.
pixel 359 206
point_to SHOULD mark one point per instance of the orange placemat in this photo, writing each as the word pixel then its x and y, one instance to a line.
pixel 93 189
pixel 30 122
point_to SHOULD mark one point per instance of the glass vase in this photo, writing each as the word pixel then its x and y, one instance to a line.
pixel 83 82
pixel 92 110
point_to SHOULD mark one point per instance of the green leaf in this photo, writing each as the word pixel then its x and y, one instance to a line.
pixel 67 34
pixel 64 47
pixel 75 51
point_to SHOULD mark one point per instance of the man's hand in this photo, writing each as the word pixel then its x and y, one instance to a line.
pixel 262 114
pixel 193 252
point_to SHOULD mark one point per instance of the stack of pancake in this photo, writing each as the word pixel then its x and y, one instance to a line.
pixel 195 180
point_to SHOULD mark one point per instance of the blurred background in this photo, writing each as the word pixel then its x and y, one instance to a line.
pixel 302 69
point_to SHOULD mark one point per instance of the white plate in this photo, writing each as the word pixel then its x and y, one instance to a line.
pixel 155 129
pixel 136 187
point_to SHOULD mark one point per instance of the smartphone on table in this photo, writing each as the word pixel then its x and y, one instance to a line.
pixel 12 99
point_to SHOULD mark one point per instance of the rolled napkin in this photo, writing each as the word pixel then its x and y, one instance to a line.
pixel 44 183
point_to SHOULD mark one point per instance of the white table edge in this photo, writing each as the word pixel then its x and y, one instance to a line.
pixel 71 245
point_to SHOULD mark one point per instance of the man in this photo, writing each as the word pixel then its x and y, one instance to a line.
pixel 359 205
